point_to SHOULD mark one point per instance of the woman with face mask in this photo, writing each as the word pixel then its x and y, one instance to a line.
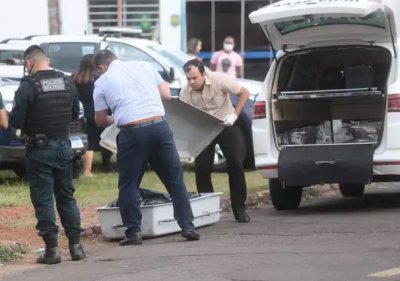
pixel 227 60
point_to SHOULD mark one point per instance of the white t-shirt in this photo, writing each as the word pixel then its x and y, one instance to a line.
pixel 130 90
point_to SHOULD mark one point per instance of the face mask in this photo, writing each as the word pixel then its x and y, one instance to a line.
pixel 228 47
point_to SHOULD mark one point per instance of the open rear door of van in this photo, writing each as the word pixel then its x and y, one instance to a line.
pixel 303 23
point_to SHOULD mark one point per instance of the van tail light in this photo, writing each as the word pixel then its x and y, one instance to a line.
pixel 394 103
pixel 259 110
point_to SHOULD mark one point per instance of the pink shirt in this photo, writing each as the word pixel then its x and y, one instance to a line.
pixel 227 62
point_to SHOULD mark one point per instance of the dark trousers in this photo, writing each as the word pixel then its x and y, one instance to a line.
pixel 136 148
pixel 232 143
pixel 49 176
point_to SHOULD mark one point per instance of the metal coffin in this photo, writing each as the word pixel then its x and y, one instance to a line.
pixel 315 164
pixel 193 128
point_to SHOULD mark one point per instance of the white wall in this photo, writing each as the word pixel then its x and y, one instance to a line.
pixel 20 18
pixel 171 36
pixel 73 16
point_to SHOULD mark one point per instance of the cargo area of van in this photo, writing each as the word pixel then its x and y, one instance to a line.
pixel 330 96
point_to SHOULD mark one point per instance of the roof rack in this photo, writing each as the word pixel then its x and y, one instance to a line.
pixel 9 39
pixel 120 32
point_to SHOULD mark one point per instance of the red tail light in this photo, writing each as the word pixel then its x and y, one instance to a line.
pixel 394 103
pixel 259 110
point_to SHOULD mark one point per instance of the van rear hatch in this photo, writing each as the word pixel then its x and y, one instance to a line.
pixel 301 23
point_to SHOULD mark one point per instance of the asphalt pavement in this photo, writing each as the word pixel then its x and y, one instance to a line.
pixel 326 239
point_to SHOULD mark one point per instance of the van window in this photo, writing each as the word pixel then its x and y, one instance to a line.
pixel 375 19
pixel 126 52
pixel 66 56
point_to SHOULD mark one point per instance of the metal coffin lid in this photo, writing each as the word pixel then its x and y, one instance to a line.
pixel 193 128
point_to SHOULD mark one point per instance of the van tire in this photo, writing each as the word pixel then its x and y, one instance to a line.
pixel 287 198
pixel 351 190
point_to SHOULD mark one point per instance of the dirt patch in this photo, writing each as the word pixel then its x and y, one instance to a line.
pixel 17 225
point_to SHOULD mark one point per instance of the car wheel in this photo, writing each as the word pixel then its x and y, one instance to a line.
pixel 284 198
pixel 351 190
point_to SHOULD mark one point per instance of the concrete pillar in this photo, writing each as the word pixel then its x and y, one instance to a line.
pixel 54 17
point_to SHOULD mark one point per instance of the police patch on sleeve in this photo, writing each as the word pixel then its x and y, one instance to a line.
pixel 52 84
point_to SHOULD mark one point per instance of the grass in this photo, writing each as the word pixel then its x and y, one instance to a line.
pixel 12 252
pixel 102 188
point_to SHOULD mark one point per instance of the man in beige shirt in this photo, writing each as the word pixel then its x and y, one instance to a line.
pixel 210 91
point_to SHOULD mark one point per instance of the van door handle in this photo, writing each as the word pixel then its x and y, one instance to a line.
pixel 326 162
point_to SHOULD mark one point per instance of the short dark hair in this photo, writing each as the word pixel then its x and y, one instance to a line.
pixel 33 51
pixel 104 57
pixel 194 63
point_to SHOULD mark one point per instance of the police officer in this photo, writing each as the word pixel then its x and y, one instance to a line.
pixel 45 104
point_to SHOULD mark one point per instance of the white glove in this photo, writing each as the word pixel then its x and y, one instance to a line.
pixel 229 120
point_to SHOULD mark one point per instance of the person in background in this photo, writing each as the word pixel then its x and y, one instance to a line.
pixel 134 90
pixel 84 82
pixel 3 115
pixel 44 105
pixel 194 46
pixel 210 92
pixel 227 60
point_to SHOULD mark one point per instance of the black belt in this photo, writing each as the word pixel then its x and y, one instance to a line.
pixel 143 124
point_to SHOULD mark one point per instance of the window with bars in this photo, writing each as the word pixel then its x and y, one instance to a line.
pixel 143 14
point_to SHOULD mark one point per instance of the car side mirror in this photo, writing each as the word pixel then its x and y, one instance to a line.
pixel 171 74
pixel 168 76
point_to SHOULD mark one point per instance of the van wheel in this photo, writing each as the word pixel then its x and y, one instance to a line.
pixel 287 198
pixel 351 190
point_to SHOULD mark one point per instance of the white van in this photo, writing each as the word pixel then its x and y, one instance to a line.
pixel 332 110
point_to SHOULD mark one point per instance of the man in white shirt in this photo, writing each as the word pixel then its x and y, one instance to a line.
pixel 133 91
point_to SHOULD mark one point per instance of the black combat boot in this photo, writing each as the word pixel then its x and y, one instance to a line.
pixel 77 252
pixel 50 256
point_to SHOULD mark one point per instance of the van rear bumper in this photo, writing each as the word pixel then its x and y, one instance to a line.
pixel 384 164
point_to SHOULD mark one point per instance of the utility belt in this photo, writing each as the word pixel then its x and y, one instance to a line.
pixel 41 140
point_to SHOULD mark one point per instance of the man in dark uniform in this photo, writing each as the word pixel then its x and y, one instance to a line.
pixel 45 104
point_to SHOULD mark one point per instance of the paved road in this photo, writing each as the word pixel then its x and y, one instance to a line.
pixel 327 239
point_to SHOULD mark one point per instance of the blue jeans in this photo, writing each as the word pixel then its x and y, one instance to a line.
pixel 136 148
pixel 49 175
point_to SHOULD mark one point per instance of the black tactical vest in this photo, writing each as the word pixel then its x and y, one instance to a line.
pixel 51 111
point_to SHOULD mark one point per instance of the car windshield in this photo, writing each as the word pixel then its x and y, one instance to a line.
pixel 175 58
pixel 66 56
